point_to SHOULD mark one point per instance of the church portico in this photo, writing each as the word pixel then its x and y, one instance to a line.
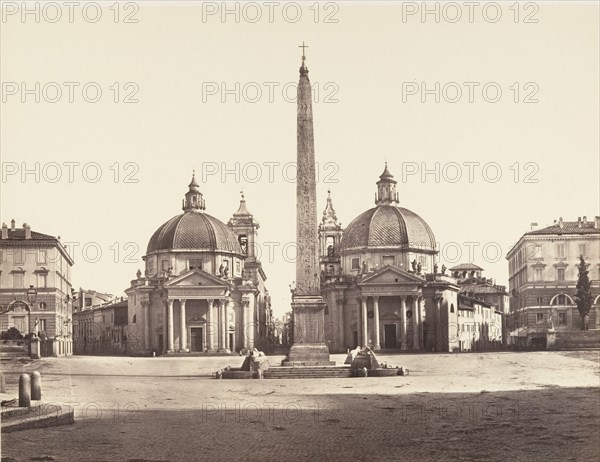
pixel 389 322
pixel 198 324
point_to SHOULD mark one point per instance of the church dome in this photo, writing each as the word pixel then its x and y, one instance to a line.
pixel 194 229
pixel 388 225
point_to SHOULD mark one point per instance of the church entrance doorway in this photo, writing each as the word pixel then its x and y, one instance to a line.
pixel 196 335
pixel 389 336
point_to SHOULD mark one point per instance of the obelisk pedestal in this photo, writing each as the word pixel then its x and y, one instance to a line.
pixel 308 307
pixel 309 348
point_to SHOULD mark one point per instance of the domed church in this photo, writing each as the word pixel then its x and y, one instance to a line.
pixel 380 279
pixel 203 289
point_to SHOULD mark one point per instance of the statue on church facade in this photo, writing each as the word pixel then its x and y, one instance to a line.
pixel 414 265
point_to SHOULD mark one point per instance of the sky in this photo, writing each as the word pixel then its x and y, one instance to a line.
pixel 487 116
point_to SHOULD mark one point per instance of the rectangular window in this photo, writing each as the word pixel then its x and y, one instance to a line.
pixel 539 317
pixel 539 300
pixel 151 266
pixel 538 251
pixel 562 318
pixel 18 280
pixel 355 263
pixel 195 263
pixel 560 250
pixel 42 325
pixel 538 274
pixel 582 249
pixel 389 260
pixel 560 274
pixel 41 256
pixel 42 280
pixel 88 301
pixel 164 265
pixel 18 257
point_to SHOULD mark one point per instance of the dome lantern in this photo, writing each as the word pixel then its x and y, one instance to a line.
pixel 386 189
pixel 193 202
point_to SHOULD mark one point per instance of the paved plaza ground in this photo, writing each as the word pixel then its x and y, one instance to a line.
pixel 491 406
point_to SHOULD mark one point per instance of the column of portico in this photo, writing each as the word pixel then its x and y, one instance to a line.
pixel 421 313
pixel 170 324
pixel 365 331
pixel 358 322
pixel 403 345
pixel 377 345
pixel 210 327
pixel 146 309
pixel 165 329
pixel 223 326
pixel 341 324
pixel 219 323
pixel 416 322
pixel 438 327
pixel 244 322
pixel 183 326
pixel 251 321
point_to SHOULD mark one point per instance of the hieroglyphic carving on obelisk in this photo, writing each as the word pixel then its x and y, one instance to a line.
pixel 307 262
pixel 308 307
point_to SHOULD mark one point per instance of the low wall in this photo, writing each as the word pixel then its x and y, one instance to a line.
pixel 577 339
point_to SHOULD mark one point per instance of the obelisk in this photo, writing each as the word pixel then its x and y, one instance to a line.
pixel 308 307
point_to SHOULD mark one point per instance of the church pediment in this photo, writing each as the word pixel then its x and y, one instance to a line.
pixel 390 275
pixel 197 277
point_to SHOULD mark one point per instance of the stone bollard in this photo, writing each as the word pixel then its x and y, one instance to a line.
pixel 36 386
pixel 24 390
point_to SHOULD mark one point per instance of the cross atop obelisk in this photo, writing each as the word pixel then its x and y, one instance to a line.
pixel 303 46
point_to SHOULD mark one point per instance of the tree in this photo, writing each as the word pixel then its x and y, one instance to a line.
pixel 584 293
pixel 13 334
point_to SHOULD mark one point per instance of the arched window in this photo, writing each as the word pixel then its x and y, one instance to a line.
pixel 452 308
pixel 134 318
pixel 330 246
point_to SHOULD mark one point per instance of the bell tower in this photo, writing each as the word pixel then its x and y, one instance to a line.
pixel 330 235
pixel 245 227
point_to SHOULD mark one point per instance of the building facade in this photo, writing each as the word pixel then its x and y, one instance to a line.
pixel 203 289
pixel 480 324
pixel 543 277
pixel 102 329
pixel 86 299
pixel 32 259
pixel 483 309
pixel 381 282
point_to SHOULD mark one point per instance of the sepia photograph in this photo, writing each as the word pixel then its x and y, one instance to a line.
pixel 300 231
